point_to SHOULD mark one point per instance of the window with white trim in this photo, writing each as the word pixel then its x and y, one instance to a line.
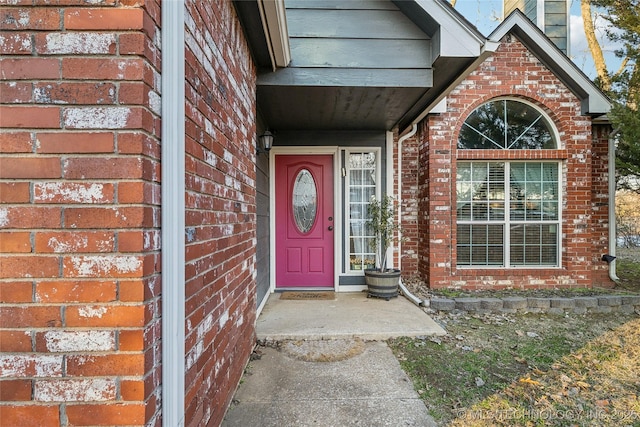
pixel 512 205
pixel 508 212
pixel 362 177
pixel 507 124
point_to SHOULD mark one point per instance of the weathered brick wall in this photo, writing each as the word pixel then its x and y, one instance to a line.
pixel 423 215
pixel 409 202
pixel 79 213
pixel 221 209
pixel 436 200
pixel 512 71
pixel 600 204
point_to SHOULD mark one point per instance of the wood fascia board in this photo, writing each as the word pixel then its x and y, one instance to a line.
pixel 274 23
pixel 348 77
pixel 594 102
pixel 455 38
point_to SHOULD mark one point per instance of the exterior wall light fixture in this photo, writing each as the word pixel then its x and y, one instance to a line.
pixel 265 142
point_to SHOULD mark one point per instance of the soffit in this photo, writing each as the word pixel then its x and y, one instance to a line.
pixel 377 72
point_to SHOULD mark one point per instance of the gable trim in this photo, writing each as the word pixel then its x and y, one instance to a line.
pixel 452 34
pixel 594 102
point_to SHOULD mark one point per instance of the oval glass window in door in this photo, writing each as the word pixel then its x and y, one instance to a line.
pixel 304 201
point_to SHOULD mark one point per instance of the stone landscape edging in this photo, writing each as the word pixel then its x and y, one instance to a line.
pixel 600 304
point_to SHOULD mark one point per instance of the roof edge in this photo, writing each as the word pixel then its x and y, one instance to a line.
pixel 274 23
pixel 489 48
pixel 452 26
pixel 594 101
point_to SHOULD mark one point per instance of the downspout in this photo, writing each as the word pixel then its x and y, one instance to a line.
pixel 403 289
pixel 173 213
pixel 612 205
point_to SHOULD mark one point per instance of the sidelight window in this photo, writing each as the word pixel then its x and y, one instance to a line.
pixel 362 184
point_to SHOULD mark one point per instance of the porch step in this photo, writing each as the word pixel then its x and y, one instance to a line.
pixel 349 315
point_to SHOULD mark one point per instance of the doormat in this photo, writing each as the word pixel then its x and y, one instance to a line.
pixel 308 296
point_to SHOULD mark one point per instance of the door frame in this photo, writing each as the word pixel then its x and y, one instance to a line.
pixel 325 150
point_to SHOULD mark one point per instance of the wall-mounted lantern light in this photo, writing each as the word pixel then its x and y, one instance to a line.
pixel 265 142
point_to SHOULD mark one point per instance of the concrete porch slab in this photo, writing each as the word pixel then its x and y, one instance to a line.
pixel 350 315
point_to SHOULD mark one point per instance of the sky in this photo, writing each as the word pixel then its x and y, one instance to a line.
pixel 487 14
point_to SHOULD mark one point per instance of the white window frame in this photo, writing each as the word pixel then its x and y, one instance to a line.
pixel 507 221
pixel 347 200
pixel 543 113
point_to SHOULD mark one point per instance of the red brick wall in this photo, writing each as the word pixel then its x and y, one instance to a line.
pixel 512 71
pixel 409 202
pixel 221 209
pixel 423 217
pixel 600 204
pixel 79 213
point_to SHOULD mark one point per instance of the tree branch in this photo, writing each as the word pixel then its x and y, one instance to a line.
pixel 594 46
pixel 624 63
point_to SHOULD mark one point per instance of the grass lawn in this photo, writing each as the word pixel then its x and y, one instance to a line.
pixel 628 268
pixel 531 370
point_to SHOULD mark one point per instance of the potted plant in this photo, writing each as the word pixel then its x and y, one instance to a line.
pixel 381 281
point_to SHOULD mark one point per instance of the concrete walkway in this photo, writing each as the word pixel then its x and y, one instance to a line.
pixel 321 369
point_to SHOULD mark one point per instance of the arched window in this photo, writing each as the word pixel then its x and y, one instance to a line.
pixel 507 124
pixel 508 211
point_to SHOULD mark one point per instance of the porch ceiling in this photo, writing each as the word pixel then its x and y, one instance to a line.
pixel 365 107
pixel 308 108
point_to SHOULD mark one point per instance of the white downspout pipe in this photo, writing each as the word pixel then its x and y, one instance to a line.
pixel 417 301
pixel 173 213
pixel 612 204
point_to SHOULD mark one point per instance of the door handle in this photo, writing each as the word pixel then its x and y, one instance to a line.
pixel 330 228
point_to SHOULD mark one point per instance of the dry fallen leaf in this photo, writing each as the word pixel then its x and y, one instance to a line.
pixel 565 379
pixel 556 397
pixel 582 385
pixel 529 381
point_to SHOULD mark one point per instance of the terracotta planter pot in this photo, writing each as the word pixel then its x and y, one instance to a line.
pixel 382 284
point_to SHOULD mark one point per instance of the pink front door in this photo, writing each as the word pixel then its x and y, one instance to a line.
pixel 304 221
